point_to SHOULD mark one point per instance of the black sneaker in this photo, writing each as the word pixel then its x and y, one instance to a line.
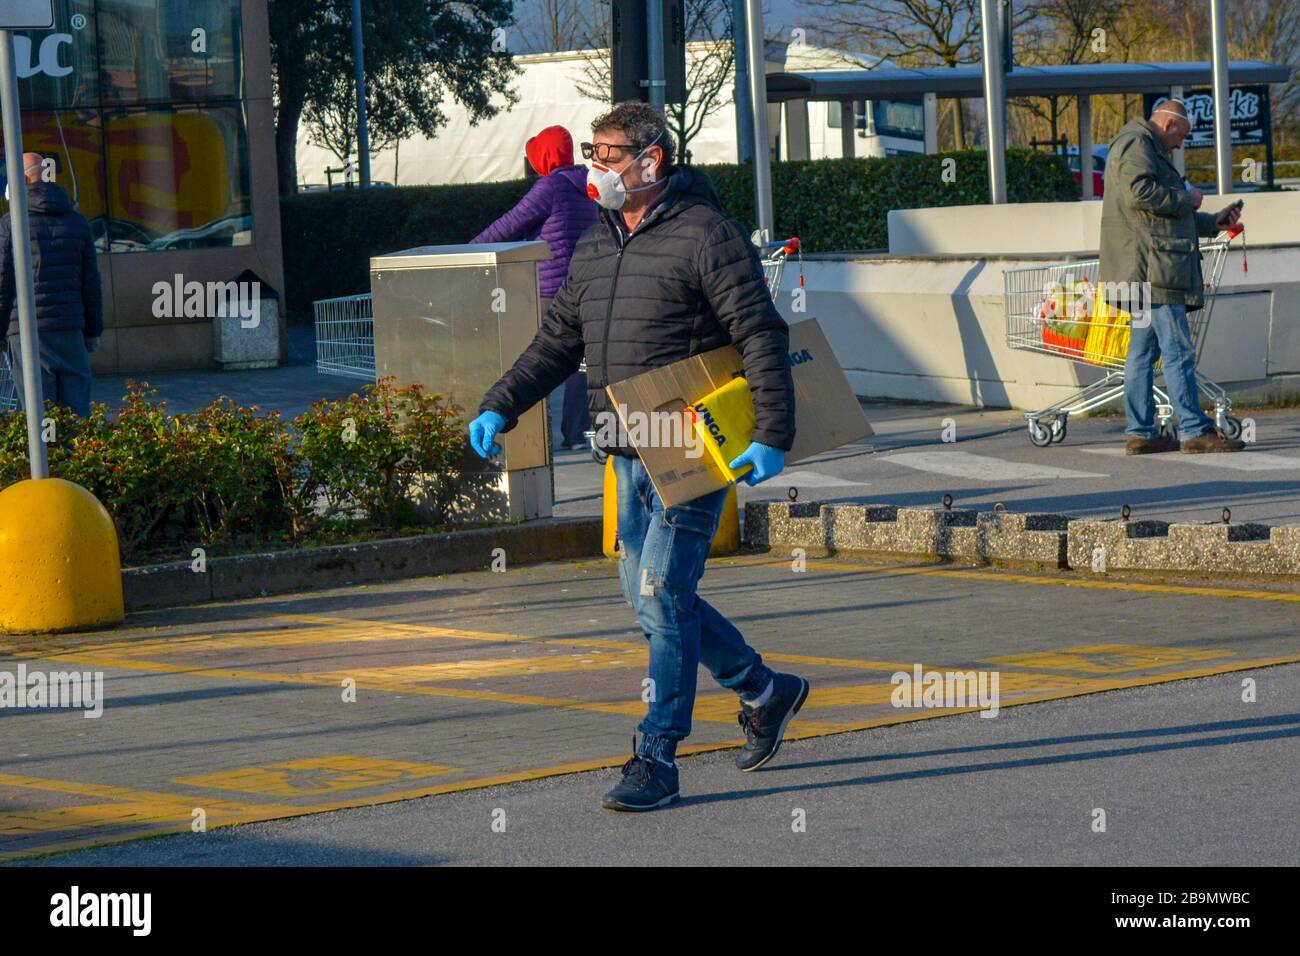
pixel 764 726
pixel 647 785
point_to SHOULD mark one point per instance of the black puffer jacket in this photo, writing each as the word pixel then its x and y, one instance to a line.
pixel 67 291
pixel 686 281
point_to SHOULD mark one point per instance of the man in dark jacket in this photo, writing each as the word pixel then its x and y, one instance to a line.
pixel 67 293
pixel 665 275
pixel 558 211
pixel 1150 226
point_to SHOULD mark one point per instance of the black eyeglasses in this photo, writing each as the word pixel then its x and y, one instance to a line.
pixel 602 150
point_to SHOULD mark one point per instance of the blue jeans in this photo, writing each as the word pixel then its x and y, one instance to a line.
pixel 1167 337
pixel 65 369
pixel 661 560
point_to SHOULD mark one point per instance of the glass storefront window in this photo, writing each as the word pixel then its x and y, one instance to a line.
pixel 179 178
pixel 74 140
pixel 156 51
pixel 138 103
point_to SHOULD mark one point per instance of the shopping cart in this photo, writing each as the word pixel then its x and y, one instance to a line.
pixel 8 387
pixel 773 255
pixel 345 337
pixel 1059 310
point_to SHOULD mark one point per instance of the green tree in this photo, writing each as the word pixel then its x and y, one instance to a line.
pixel 417 51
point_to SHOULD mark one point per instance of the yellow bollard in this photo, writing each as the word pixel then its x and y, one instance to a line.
pixel 59 552
pixel 725 541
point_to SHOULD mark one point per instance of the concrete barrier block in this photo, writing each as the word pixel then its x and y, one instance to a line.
pixel 1037 539
pixel 1220 548
pixel 1127 544
pixel 784 524
pixel 935 531
pixel 1285 543
pixel 863 527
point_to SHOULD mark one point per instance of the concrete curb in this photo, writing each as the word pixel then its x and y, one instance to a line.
pixel 1037 540
pixel 254 575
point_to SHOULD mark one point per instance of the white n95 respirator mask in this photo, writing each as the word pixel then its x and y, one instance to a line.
pixel 606 187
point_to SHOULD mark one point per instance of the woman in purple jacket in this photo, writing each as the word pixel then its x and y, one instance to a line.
pixel 556 210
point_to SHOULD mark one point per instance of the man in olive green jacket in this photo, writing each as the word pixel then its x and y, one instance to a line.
pixel 1151 266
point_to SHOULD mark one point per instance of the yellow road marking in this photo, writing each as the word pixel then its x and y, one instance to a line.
pixel 491 667
pixel 997 576
pixel 1108 658
pixel 316 775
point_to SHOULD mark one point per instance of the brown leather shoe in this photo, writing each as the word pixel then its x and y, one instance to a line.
pixel 1149 446
pixel 1211 442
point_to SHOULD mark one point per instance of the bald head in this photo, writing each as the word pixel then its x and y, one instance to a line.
pixel 33 165
pixel 1170 118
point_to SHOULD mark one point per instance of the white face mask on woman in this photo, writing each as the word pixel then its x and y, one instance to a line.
pixel 606 186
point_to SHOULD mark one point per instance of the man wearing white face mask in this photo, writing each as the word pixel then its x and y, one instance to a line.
pixel 664 275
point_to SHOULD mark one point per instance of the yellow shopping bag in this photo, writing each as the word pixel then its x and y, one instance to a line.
pixel 1108 333
pixel 724 423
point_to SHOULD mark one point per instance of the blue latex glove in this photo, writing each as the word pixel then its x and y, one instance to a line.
pixel 483 432
pixel 768 462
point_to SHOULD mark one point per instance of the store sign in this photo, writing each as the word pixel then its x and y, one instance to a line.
pixel 1247 108
pixel 26 14
pixel 41 59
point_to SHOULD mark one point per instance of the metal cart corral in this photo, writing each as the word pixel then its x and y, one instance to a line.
pixel 8 387
pixel 1059 310
pixel 345 337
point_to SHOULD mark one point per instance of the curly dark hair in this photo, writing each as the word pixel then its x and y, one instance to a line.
pixel 641 123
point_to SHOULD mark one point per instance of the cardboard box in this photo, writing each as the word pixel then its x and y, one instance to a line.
pixel 827 413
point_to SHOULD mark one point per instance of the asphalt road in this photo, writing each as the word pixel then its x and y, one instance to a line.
pixel 1184 773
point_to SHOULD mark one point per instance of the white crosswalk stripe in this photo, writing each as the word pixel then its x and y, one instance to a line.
pixel 961 464
pixel 1233 461
pixel 811 479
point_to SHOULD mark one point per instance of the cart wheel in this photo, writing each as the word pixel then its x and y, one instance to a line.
pixel 1167 431
pixel 1040 436
pixel 598 456
pixel 1058 428
pixel 1231 427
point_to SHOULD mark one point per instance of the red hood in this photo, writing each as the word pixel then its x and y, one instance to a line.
pixel 549 149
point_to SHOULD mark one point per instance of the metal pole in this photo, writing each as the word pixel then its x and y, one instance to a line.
pixel 744 108
pixel 1005 15
pixel 359 64
pixel 994 91
pixel 848 126
pixel 1085 146
pixel 654 45
pixel 29 345
pixel 1222 114
pixel 758 97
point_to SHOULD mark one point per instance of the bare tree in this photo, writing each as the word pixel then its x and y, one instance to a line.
pixel 554 26
pixel 710 60
pixel 910 33
pixel 1065 32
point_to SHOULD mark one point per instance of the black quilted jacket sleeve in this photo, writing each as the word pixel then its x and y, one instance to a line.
pixel 732 279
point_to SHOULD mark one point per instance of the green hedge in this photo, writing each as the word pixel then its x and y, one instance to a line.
pixel 832 204
pixel 232 477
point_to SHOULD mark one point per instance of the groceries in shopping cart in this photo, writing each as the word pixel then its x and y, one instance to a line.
pixel 724 424
pixel 1065 312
